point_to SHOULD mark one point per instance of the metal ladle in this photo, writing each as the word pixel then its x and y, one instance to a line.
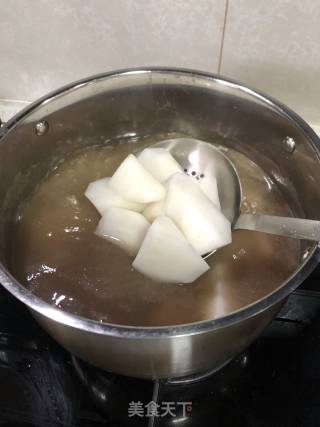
pixel 203 160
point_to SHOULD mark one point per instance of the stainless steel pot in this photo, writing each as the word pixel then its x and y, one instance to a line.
pixel 141 102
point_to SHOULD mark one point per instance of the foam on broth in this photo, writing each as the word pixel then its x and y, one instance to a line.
pixel 59 258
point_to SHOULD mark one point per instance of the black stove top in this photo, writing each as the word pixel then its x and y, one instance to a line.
pixel 274 383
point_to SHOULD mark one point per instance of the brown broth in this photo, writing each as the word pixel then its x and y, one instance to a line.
pixel 59 258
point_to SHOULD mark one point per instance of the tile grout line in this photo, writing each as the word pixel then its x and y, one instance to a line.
pixel 223 35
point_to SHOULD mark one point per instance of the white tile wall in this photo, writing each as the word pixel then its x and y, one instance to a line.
pixel 47 43
pixel 272 45
pixel 9 108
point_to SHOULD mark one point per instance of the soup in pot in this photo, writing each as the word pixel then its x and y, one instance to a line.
pixel 58 257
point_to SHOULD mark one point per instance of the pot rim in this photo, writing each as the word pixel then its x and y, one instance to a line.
pixel 35 303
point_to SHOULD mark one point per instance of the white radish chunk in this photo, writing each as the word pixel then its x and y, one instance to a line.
pixel 159 162
pixel 124 228
pixel 102 196
pixel 134 183
pixel 209 186
pixel 166 256
pixel 203 225
pixel 153 210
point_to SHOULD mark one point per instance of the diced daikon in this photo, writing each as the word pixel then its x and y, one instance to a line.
pixel 153 210
pixel 102 196
pixel 203 225
pixel 159 162
pixel 133 182
pixel 166 256
pixel 124 228
pixel 209 186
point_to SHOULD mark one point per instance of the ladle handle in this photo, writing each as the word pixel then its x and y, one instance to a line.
pixel 282 226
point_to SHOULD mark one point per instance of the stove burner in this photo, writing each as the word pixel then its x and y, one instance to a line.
pixel 274 383
pixel 113 393
pixel 189 379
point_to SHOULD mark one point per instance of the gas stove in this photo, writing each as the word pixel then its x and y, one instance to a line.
pixel 275 382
